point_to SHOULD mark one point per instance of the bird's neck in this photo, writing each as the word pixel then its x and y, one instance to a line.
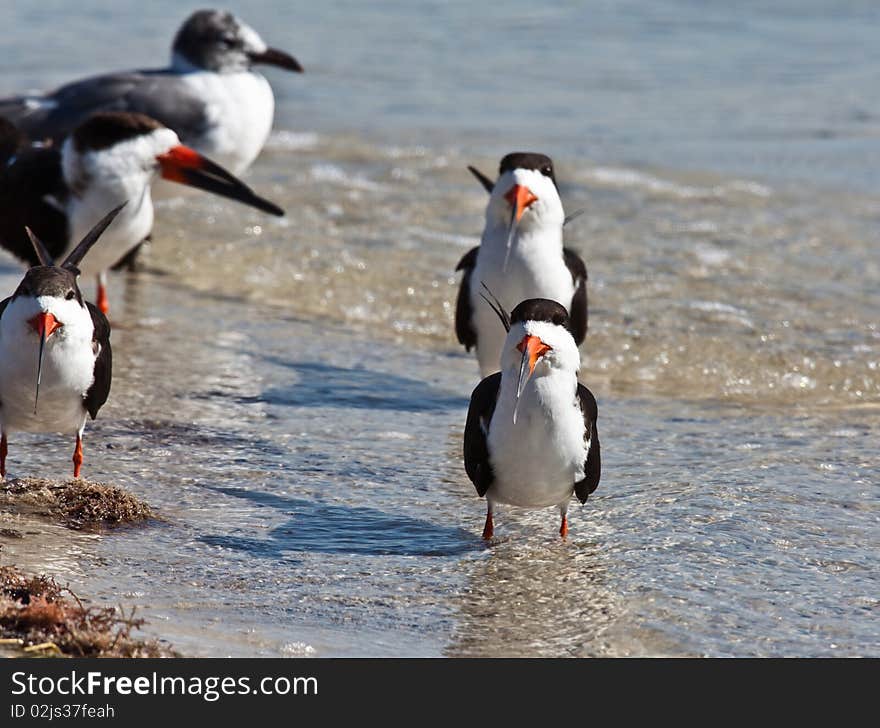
pixel 546 239
pixel 181 64
pixel 545 392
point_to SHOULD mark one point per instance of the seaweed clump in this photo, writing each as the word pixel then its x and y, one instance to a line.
pixel 39 617
pixel 78 504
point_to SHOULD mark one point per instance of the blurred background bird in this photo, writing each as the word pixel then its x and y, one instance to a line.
pixel 520 256
pixel 109 158
pixel 210 94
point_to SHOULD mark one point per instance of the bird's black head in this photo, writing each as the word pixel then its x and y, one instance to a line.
pixel 105 129
pixel 528 160
pixel 541 309
pixel 531 342
pixel 49 280
pixel 218 41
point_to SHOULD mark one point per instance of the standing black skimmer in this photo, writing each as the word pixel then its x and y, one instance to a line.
pixel 531 438
pixel 520 256
pixel 210 95
pixel 110 158
pixel 55 344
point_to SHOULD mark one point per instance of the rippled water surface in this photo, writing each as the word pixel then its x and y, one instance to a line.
pixel 288 394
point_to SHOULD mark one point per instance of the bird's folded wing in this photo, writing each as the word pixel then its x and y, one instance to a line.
pixel 476 449
pixel 33 193
pixel 100 389
pixel 593 463
pixel 464 327
pixel 157 94
pixel 578 313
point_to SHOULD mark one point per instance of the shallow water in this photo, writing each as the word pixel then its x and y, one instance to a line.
pixel 289 396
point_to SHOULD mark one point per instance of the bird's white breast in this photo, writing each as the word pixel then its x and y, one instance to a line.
pixel 240 108
pixel 535 269
pixel 130 227
pixel 99 180
pixel 68 368
pixel 537 459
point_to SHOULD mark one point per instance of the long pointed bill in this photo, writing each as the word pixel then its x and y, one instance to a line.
pixel 44 324
pixel 532 349
pixel 40 372
pixel 519 197
pixel 511 231
pixel 188 167
pixel 274 57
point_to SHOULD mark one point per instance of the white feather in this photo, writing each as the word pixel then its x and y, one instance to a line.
pixel 535 264
pixel 101 179
pixel 538 459
pixel 240 109
pixel 68 366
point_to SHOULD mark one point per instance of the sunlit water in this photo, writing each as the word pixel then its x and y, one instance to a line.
pixel 288 394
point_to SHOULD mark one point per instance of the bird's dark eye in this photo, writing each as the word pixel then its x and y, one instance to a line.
pixel 547 171
pixel 228 41
pixel 70 295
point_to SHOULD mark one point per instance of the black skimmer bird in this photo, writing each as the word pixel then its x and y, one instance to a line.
pixel 531 438
pixel 109 158
pixel 520 256
pixel 210 94
pixel 54 344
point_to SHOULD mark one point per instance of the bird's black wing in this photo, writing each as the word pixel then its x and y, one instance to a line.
pixel 476 449
pixel 55 115
pixel 578 312
pixel 12 140
pixel 155 93
pixel 593 463
pixel 33 193
pixel 163 97
pixel 25 111
pixel 464 327
pixel 100 389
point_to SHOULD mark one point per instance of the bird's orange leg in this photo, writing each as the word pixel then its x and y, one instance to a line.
pixel 103 302
pixel 489 528
pixel 563 527
pixel 77 456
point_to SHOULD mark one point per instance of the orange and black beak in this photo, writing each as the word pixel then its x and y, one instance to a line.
pixel 45 324
pixel 274 57
pixel 519 197
pixel 532 349
pixel 186 166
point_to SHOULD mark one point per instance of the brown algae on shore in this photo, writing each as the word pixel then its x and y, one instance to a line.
pixel 77 504
pixel 39 618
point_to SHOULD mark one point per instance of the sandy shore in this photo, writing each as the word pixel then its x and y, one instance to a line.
pixel 39 616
